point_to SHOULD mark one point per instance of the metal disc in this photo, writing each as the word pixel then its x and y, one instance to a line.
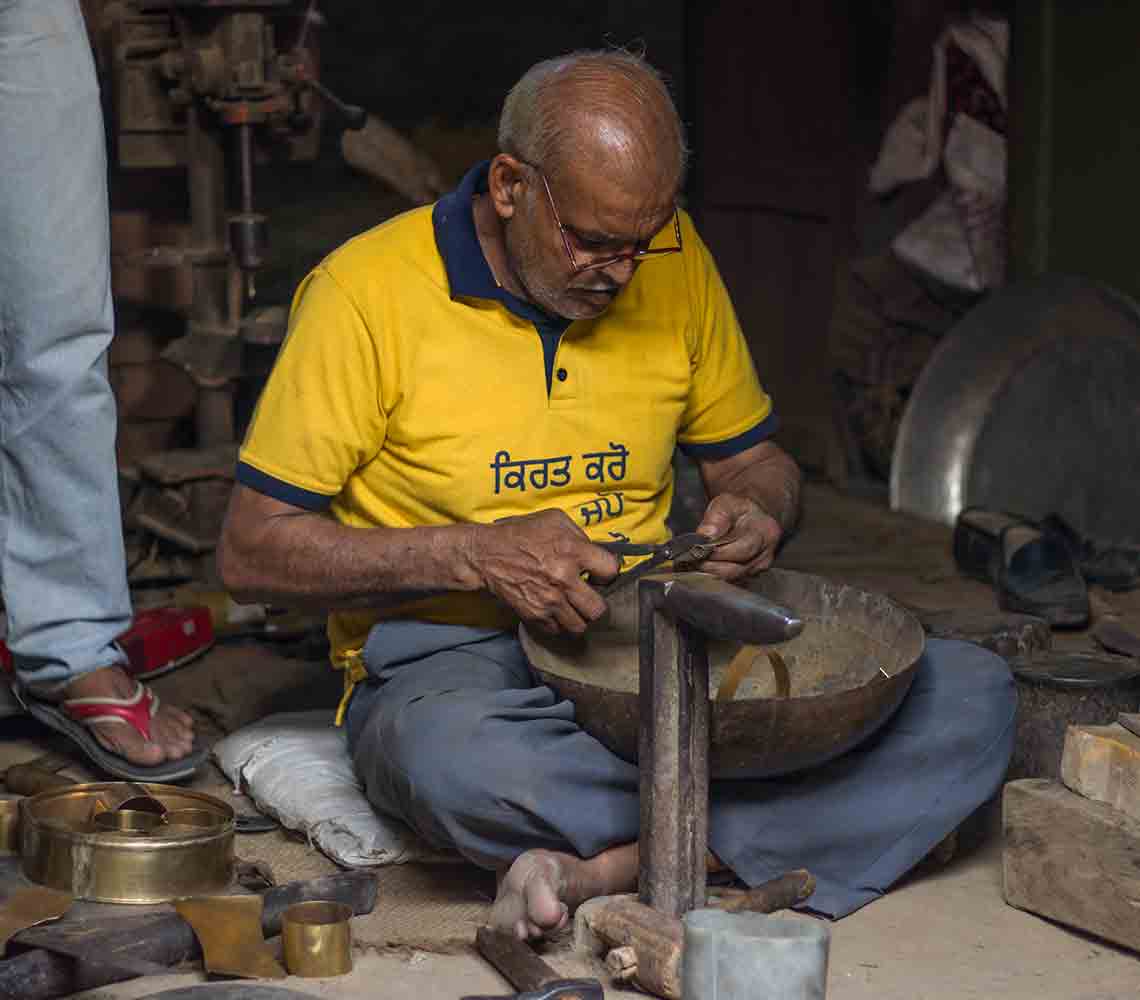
pixel 1029 405
pixel 1075 670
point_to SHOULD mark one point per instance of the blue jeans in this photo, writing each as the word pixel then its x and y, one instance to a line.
pixel 62 566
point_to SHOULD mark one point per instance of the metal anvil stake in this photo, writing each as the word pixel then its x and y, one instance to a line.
pixel 677 614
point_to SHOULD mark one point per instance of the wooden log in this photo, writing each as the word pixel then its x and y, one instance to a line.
pixel 1072 860
pixel 1102 763
pixel 164 938
pixel 780 893
pixel 655 940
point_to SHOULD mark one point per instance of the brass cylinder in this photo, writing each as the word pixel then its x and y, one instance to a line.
pixel 130 821
pixel 193 820
pixel 317 939
pixel 62 846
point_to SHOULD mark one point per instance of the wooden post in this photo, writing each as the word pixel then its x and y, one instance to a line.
pixel 673 757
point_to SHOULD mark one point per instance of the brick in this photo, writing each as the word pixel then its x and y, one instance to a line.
pixel 1102 763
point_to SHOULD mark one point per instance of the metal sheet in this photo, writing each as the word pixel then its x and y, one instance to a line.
pixel 1030 405
pixel 229 931
pixel 25 908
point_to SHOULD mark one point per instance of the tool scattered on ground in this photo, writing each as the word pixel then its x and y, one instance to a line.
pixel 159 937
pixel 531 975
pixel 644 946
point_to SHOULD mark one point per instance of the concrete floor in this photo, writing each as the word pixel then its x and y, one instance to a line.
pixel 945 933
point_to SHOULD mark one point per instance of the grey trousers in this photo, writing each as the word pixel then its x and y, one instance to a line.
pixel 61 545
pixel 453 736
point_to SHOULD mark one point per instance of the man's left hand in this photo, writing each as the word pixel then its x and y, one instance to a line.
pixel 752 535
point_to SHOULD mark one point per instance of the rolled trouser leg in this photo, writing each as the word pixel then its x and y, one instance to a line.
pixel 61 547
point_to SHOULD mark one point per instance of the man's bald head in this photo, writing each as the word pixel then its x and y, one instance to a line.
pixel 609 107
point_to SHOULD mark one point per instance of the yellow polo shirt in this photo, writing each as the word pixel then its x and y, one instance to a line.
pixel 411 391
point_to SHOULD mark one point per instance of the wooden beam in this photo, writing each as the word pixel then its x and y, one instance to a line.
pixel 1072 860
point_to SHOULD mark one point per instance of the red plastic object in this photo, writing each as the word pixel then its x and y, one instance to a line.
pixel 158 641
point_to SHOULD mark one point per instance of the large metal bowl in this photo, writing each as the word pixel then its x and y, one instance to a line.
pixel 1029 405
pixel 849 670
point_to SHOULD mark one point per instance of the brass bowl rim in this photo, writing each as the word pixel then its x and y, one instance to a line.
pixel 298 914
pixel 125 839
pixel 105 822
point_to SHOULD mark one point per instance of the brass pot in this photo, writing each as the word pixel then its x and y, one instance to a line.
pixel 63 848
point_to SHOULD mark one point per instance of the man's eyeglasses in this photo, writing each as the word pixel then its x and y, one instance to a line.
pixel 596 265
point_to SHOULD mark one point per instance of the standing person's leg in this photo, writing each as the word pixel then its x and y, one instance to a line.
pixel 61 548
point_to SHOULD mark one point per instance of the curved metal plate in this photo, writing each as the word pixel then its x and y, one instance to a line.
pixel 848 670
pixel 1029 405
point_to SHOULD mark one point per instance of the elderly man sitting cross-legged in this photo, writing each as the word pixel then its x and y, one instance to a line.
pixel 470 396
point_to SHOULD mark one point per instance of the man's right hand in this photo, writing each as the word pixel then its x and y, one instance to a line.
pixel 535 564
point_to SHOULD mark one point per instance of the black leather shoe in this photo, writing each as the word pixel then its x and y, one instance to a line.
pixel 1033 572
pixel 1114 567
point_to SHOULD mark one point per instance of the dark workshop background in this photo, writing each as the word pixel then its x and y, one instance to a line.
pixel 786 104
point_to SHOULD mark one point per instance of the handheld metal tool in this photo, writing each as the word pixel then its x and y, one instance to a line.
pixel 527 972
pixel 690 547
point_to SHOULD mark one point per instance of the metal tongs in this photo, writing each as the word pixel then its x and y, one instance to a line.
pixel 689 548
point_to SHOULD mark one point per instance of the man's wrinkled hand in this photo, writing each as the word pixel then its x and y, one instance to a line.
pixel 751 533
pixel 535 564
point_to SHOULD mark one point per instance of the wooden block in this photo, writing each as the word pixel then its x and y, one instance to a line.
pixel 1072 860
pixel 1102 763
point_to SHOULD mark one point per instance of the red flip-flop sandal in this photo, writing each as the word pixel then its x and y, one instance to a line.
pixel 74 716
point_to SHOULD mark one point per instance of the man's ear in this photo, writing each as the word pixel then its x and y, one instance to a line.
pixel 504 184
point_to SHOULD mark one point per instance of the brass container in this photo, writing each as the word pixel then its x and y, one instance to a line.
pixel 64 845
pixel 317 939
pixel 127 821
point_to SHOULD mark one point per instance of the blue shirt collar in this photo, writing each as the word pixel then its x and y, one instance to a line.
pixel 468 272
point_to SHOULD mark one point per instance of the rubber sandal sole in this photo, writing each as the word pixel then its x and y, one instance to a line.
pixel 165 773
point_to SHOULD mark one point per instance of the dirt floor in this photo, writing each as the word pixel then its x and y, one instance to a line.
pixel 945 933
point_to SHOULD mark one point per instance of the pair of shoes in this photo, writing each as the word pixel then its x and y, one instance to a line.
pixel 1114 567
pixel 74 716
pixel 1033 570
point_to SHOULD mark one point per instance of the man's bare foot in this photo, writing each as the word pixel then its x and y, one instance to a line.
pixel 540 889
pixel 171 729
